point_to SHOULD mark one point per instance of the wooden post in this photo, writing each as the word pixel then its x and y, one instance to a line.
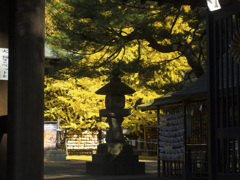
pixel 26 90
pixel 3 154
pixel 212 153
pixel 158 133
pixel 187 152
pixel 145 141
pixel 3 92
pixel 3 44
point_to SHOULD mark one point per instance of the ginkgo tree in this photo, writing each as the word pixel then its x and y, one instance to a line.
pixel 73 100
pixel 114 26
pixel 152 46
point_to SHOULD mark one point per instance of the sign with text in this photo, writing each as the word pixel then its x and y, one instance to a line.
pixel 50 136
pixel 3 64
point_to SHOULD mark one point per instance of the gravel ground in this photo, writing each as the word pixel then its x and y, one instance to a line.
pixel 74 168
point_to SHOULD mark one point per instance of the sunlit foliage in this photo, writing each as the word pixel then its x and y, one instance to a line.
pixel 154 47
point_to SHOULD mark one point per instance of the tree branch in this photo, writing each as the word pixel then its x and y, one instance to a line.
pixel 184 48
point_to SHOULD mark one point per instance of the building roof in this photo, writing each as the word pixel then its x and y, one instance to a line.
pixel 163 100
pixel 48 52
pixel 195 90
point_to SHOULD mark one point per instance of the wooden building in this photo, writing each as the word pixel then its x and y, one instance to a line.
pixel 224 92
pixel 182 132
pixel 222 89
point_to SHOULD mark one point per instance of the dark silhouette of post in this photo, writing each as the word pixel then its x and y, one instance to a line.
pixel 3 90
pixel 26 90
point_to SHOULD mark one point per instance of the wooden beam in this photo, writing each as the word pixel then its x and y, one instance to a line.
pixel 193 3
pixel 182 2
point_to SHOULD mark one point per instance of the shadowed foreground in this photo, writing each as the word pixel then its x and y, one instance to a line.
pixel 75 169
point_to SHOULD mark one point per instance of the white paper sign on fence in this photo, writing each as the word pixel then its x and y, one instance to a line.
pixel 3 64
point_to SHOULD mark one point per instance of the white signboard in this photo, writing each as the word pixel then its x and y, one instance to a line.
pixel 50 136
pixel 213 5
pixel 3 64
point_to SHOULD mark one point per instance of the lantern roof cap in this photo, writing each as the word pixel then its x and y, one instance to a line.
pixel 115 87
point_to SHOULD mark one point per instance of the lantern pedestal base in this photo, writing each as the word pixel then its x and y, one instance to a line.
pixel 54 155
pixel 115 159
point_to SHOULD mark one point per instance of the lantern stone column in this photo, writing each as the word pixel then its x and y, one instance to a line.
pixel 116 156
pixel 114 112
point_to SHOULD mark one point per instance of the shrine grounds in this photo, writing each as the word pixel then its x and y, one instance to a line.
pixel 74 168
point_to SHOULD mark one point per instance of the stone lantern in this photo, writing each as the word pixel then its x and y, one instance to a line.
pixel 115 102
pixel 116 156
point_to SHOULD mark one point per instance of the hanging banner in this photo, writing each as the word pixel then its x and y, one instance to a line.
pixel 3 64
pixel 50 136
pixel 171 136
